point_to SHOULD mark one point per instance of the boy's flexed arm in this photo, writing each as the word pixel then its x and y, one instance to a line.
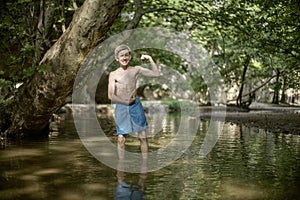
pixel 155 72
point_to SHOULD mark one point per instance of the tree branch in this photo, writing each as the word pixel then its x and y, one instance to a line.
pixel 138 14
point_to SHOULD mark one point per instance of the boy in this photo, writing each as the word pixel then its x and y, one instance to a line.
pixel 129 113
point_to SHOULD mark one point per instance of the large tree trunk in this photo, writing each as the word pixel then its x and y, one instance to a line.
pixel 36 101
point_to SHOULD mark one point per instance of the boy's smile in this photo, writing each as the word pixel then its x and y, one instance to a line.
pixel 123 58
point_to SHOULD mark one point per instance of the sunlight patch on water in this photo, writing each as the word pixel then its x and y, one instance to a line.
pixel 49 171
pixel 94 187
pixel 238 189
pixel 24 153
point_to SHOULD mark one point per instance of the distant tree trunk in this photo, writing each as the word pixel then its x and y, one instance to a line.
pixel 36 101
pixel 276 88
pixel 283 96
pixel 239 100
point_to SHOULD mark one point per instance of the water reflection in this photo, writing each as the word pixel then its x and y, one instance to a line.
pixel 129 191
pixel 245 163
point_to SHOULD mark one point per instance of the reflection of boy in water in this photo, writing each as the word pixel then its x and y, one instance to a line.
pixel 126 191
pixel 129 112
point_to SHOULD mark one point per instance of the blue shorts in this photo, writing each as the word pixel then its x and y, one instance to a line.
pixel 130 118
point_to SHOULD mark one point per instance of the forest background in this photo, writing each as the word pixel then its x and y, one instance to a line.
pixel 253 43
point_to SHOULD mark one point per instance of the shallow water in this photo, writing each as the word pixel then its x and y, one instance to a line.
pixel 245 163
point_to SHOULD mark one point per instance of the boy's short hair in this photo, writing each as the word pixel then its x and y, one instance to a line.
pixel 121 48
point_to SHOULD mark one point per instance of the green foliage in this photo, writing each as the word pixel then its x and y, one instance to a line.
pixel 268 31
pixel 22 44
pixel 4 84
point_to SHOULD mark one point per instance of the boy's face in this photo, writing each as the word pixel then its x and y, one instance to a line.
pixel 123 57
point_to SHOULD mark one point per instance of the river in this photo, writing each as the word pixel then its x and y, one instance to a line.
pixel 245 163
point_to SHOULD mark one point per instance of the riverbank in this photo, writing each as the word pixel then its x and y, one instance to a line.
pixel 273 118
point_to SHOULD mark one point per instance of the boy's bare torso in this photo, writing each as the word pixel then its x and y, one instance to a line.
pixel 125 82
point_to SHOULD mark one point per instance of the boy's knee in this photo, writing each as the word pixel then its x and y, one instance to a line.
pixel 121 139
pixel 142 135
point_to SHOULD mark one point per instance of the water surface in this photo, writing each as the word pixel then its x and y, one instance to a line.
pixel 246 163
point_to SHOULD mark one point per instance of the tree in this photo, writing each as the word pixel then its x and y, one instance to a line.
pixel 266 31
pixel 34 102
pixel 232 30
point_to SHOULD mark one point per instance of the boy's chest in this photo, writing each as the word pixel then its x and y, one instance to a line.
pixel 126 77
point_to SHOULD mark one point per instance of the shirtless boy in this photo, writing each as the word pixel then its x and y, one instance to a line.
pixel 129 113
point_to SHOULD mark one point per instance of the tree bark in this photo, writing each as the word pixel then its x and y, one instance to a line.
pixel 276 88
pixel 36 101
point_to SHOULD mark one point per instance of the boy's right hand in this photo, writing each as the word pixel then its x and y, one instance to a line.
pixel 131 100
pixel 146 57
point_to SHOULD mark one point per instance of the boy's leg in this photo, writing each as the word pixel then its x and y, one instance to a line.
pixel 144 143
pixel 121 146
